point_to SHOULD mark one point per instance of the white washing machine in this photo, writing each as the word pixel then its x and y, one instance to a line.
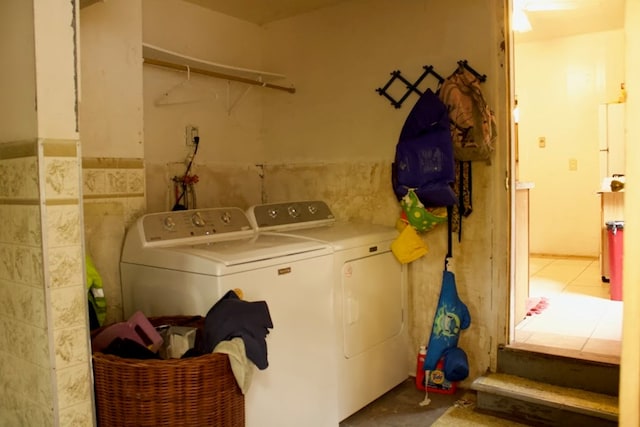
pixel 181 263
pixel 370 297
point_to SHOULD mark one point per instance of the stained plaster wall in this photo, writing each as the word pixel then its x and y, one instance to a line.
pixel 111 129
pixel 18 117
pixel 228 115
pixel 338 130
pixel 334 138
pixel 560 83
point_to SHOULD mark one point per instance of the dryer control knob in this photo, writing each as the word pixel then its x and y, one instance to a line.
pixel 313 209
pixel 169 223
pixel 293 211
pixel 197 220
pixel 226 217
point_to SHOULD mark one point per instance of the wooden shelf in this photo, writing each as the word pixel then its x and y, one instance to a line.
pixel 85 3
pixel 157 56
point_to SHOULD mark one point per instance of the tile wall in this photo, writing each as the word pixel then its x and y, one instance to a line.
pixel 113 198
pixel 44 351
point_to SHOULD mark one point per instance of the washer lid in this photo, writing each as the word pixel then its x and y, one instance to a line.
pixel 314 220
pixel 345 235
pixel 261 247
pixel 218 258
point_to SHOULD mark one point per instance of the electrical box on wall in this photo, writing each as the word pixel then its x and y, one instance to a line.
pixel 190 135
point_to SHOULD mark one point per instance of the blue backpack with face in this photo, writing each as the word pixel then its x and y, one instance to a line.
pixel 424 154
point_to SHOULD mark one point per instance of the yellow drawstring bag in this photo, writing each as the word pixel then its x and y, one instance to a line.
pixel 408 246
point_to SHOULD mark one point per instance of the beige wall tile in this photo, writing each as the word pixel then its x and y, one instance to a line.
pixel 27 380
pixel 69 307
pixel 74 385
pixel 19 178
pixel 23 304
pixel 80 415
pixel 28 265
pixel 5 344
pixel 5 211
pixel 29 343
pixel 5 307
pixel 61 180
pixel 20 410
pixel 65 266
pixel 63 225
pixel 7 262
pixel 116 181
pixel 135 181
pixel 94 181
pixel 23 225
pixel 70 346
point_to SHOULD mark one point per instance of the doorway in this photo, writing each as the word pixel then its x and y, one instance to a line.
pixel 561 73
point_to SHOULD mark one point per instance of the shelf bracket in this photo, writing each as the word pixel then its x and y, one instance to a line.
pixel 231 105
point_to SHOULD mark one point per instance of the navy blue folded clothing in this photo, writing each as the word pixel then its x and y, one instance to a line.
pixel 231 317
pixel 129 349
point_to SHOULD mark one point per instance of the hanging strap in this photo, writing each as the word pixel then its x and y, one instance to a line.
pixel 460 198
pixel 469 185
pixel 449 236
pixel 465 181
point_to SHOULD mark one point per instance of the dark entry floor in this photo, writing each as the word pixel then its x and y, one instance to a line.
pixel 400 408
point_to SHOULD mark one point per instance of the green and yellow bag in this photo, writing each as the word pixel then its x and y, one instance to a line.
pixel 421 218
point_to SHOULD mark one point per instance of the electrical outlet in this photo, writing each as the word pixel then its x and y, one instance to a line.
pixel 190 135
pixel 542 141
pixel 573 164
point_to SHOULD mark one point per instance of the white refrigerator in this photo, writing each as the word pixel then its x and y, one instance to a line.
pixel 612 160
pixel 611 139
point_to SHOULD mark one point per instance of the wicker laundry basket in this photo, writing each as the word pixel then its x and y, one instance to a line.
pixel 198 391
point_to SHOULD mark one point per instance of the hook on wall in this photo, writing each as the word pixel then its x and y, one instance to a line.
pixel 410 87
pixel 464 64
pixel 413 87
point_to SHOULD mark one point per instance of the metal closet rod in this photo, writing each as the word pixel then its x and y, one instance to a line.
pixel 217 75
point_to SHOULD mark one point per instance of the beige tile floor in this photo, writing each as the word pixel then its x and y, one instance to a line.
pixel 580 319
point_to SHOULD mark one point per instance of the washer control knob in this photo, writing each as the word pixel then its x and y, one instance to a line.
pixel 225 217
pixel 313 209
pixel 272 212
pixel 169 223
pixel 293 211
pixel 197 220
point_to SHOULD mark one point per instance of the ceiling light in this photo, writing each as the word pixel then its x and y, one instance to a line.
pixel 519 21
pixel 546 5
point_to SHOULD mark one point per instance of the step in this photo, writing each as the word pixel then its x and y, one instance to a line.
pixel 535 402
pixel 596 376
pixel 464 414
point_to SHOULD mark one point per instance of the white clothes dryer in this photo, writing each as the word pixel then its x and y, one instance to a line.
pixel 181 263
pixel 370 297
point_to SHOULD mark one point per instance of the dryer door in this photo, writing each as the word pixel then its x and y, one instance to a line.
pixel 372 302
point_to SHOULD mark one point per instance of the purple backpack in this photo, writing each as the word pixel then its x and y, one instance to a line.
pixel 424 154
